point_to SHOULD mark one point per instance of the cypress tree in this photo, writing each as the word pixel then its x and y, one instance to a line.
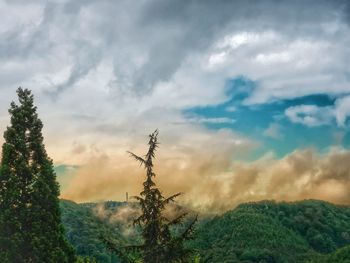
pixel 159 244
pixel 30 223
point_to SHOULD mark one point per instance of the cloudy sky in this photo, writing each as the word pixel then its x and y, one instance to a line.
pixel 251 98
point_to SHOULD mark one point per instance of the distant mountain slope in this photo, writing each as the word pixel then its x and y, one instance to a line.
pixel 86 223
pixel 323 225
pixel 265 231
pixel 246 235
pixel 84 229
pixel 342 255
pixel 274 232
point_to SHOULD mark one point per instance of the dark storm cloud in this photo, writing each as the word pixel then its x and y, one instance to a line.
pixel 163 50
pixel 163 34
pixel 177 29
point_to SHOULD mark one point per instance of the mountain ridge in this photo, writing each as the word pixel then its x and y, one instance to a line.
pixel 263 231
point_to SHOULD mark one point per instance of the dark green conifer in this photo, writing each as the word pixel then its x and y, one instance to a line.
pixel 159 244
pixel 30 223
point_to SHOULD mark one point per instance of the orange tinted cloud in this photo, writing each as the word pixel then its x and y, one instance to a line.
pixel 210 178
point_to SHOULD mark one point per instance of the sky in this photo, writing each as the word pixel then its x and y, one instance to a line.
pixel 251 98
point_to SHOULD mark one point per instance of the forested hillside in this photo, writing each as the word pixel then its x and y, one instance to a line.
pixel 83 230
pixel 265 231
pixel 87 224
pixel 274 232
pixel 324 226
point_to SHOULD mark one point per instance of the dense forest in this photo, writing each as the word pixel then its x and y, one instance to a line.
pixel 267 231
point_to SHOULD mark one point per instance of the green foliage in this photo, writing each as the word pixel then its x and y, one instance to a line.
pixel 244 235
pixel 84 229
pixel 274 232
pixel 341 255
pixel 253 232
pixel 324 226
pixel 30 219
pixel 86 260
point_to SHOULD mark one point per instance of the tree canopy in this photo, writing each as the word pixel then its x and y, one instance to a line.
pixel 30 219
pixel 159 243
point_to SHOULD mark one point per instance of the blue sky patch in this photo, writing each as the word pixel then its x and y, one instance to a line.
pixel 268 124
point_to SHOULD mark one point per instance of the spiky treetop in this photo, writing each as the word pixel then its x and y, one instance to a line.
pixel 159 245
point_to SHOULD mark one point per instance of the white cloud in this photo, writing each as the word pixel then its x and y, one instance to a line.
pixel 222 120
pixel 342 110
pixel 272 58
pixel 310 115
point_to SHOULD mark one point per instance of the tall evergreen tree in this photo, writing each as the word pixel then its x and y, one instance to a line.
pixel 30 223
pixel 159 244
